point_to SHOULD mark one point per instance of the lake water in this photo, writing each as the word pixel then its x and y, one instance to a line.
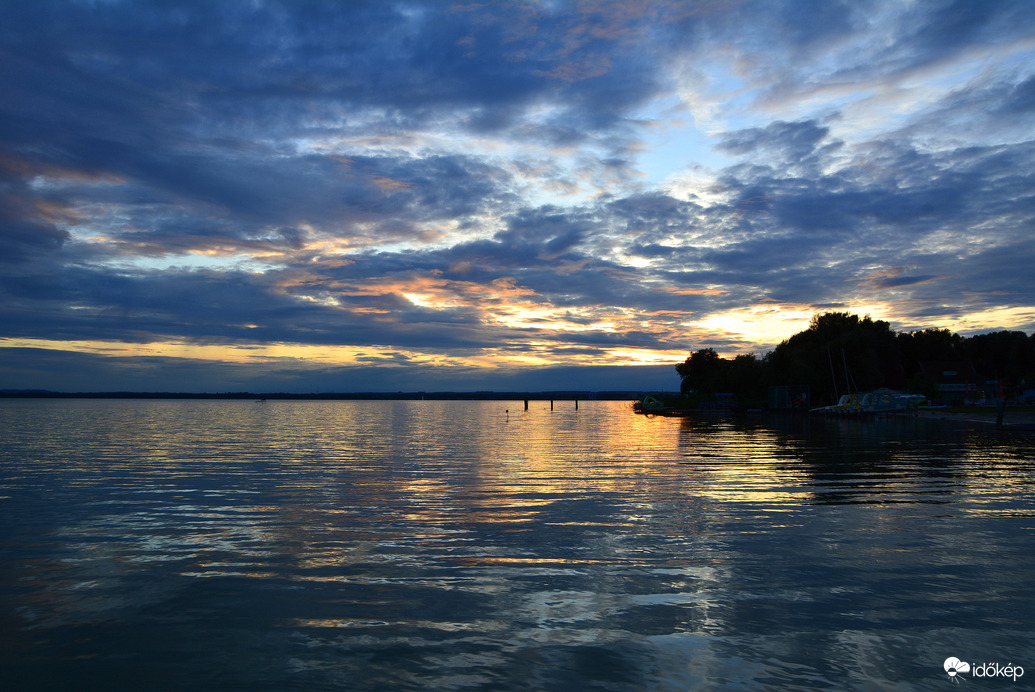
pixel 362 545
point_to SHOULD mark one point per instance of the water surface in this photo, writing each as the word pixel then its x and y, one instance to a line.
pixel 355 545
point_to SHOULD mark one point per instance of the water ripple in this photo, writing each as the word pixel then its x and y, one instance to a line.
pixel 459 545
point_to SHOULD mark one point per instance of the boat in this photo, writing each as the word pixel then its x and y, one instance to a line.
pixel 848 403
pixel 652 405
pixel 876 402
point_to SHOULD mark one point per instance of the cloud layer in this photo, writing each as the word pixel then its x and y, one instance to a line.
pixel 421 192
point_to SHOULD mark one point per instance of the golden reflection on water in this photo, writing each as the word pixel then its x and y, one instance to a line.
pixel 523 529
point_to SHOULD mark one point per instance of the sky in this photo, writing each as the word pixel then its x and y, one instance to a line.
pixel 250 195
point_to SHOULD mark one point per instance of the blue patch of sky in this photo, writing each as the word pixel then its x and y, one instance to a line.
pixel 674 142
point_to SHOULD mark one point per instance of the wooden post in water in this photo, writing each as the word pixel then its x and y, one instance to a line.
pixel 551 404
pixel 576 404
pixel 526 404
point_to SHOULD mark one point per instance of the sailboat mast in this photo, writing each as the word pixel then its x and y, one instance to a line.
pixel 848 376
pixel 832 375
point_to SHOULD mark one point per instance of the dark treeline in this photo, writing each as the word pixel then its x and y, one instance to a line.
pixel 841 352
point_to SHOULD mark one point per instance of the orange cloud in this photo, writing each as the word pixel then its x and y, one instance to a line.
pixel 391 184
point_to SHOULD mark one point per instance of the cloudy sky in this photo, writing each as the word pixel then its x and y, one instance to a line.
pixel 380 196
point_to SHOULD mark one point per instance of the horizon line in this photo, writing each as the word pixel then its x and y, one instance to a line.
pixel 584 394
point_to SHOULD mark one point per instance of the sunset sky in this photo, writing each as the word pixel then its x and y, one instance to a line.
pixel 380 196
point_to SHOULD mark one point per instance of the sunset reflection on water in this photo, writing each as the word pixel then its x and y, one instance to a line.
pixel 456 544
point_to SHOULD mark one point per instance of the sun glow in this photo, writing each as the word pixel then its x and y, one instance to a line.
pixel 1019 318
pixel 527 354
pixel 761 322
pixel 226 353
pixel 761 325
pixel 643 356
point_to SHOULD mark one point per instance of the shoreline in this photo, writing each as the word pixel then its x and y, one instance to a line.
pixel 1012 420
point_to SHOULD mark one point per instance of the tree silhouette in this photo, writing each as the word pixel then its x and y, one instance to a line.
pixel 840 352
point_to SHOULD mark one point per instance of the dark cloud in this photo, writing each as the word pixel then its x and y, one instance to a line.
pixel 25 230
pixel 1021 98
pixel 949 25
pixel 791 142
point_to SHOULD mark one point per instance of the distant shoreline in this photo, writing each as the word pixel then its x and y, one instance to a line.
pixel 560 395
pixel 1013 418
pixel 1022 418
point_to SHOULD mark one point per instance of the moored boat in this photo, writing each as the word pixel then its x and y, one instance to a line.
pixel 875 402
pixel 655 406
